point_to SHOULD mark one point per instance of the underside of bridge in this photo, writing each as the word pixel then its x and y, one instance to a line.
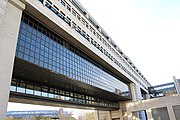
pixel 36 85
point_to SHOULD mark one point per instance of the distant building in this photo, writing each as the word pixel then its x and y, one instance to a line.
pixel 167 89
pixel 163 105
pixel 37 113
pixel 163 90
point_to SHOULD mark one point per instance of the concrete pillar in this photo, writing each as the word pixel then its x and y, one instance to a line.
pixel 116 114
pixel 133 91
pixel 2 10
pixel 171 113
pixel 104 115
pixel 149 114
pixel 123 111
pixel 9 28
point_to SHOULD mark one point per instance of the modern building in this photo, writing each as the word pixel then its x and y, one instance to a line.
pixel 163 90
pixel 163 105
pixel 161 108
pixel 38 113
pixel 54 53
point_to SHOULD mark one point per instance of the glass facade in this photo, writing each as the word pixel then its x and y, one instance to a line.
pixel 31 88
pixel 41 46
pixel 139 115
pixel 163 90
pixel 78 28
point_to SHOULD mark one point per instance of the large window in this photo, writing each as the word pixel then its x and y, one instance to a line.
pixel 176 110
pixel 160 114
pixel 39 45
pixel 30 88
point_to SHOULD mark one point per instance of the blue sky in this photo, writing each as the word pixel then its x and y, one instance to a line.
pixel 148 31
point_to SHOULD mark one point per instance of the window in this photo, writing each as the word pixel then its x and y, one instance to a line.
pixel 73 25
pixel 21 87
pixel 78 17
pixel 68 7
pixel 160 114
pixel 74 12
pixel 63 3
pixel 139 115
pixel 52 52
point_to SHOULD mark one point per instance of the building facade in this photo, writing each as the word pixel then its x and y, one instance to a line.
pixel 163 105
pixel 162 108
pixel 55 53
pixel 163 90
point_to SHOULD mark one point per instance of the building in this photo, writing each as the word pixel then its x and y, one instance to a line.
pixel 177 84
pixel 163 90
pixel 38 113
pixel 161 108
pixel 54 53
pixel 163 105
pixel 167 89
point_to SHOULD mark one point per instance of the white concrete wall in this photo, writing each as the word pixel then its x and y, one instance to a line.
pixel 116 114
pixel 2 10
pixel 10 21
pixel 104 115
pixel 150 104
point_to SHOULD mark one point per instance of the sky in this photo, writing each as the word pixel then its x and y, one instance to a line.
pixel 147 31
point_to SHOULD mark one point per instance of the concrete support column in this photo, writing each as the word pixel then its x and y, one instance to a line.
pixel 171 113
pixel 9 28
pixel 149 114
pixel 116 114
pixel 104 115
pixel 133 91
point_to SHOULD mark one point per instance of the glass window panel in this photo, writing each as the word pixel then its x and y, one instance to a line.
pixel 13 88
pixel 44 94
pixel 38 93
pixel 29 91
pixel 37 90
pixel 20 89
pixel 160 114
pixel 51 95
pixel 75 63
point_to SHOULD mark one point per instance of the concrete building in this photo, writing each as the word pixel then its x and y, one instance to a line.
pixel 162 108
pixel 163 105
pixel 54 53
pixel 38 113
pixel 167 89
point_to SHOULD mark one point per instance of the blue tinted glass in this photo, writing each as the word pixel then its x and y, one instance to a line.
pixel 44 51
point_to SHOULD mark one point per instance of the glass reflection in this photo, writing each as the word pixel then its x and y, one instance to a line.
pixel 58 94
pixel 38 45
